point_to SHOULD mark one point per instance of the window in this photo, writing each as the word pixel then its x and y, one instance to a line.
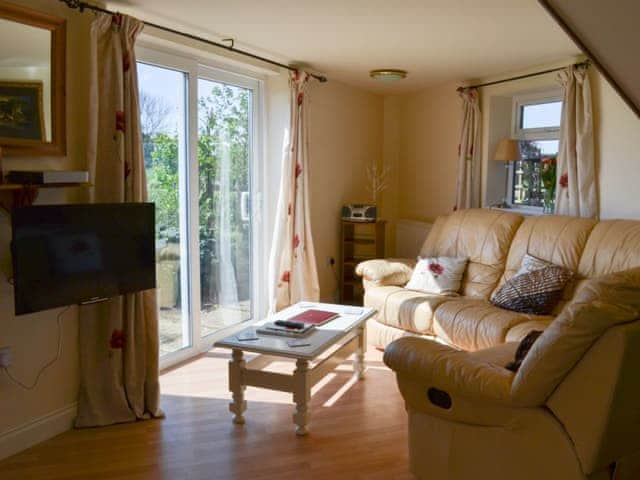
pixel 224 141
pixel 528 189
pixel 200 128
pixel 537 126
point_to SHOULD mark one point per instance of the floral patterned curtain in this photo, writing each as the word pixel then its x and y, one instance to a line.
pixel 468 188
pixel 119 344
pixel 293 274
pixel 576 190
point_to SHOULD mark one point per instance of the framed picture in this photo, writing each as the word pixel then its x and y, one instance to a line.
pixel 21 112
pixel 38 133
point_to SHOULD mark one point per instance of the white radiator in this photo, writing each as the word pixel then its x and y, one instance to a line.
pixel 410 235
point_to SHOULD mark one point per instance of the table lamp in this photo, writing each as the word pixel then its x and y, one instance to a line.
pixel 508 150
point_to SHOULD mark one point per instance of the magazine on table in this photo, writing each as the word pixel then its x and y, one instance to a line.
pixel 298 325
pixel 270 328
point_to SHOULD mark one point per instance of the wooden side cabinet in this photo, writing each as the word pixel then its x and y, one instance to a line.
pixel 360 241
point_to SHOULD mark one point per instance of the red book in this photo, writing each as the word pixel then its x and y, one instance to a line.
pixel 314 317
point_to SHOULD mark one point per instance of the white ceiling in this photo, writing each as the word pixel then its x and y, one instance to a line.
pixel 23 45
pixel 435 40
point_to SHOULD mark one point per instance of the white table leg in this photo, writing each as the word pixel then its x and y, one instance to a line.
pixel 301 397
pixel 237 387
pixel 358 365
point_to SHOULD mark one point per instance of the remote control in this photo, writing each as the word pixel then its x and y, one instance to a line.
pixel 288 324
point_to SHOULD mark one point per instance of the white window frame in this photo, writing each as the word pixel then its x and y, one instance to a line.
pixel 536 98
pixel 531 134
pixel 197 67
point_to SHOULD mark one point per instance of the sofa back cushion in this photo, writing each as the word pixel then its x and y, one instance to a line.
pixel 481 235
pixel 613 246
pixel 554 238
pixel 602 303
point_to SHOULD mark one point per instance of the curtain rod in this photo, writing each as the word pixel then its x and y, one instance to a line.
pixel 586 63
pixel 82 6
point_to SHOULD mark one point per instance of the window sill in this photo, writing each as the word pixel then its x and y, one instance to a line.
pixel 526 211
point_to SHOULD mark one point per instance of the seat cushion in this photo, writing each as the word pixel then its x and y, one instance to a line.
pixel 474 324
pixel 406 309
pixel 380 335
pixel 481 235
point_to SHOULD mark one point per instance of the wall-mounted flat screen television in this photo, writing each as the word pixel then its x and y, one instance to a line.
pixel 72 254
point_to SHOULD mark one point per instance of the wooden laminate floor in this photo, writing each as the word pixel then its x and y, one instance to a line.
pixel 358 431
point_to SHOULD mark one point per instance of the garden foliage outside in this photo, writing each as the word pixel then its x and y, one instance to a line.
pixel 224 128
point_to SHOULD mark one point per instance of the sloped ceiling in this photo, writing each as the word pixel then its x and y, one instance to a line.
pixel 607 31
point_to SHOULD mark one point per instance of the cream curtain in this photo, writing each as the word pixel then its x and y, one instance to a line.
pixel 576 189
pixel 468 187
pixel 293 274
pixel 119 344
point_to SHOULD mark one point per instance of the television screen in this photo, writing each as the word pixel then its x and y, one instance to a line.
pixel 68 254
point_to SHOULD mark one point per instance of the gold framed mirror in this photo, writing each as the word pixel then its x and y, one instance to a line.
pixel 32 82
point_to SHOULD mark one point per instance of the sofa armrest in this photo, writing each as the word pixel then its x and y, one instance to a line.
pixel 388 271
pixel 457 373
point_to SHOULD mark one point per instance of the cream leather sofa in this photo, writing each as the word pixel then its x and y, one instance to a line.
pixel 572 411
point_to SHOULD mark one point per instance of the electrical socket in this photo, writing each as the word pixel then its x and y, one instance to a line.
pixel 5 357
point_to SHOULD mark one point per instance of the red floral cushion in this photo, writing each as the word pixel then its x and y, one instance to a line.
pixel 438 275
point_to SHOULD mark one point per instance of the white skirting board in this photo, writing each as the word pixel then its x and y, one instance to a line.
pixel 31 433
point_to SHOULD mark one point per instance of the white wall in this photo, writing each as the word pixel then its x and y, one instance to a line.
pixel 430 130
pixel 430 125
pixel 389 204
pixel 345 135
pixel 617 138
pixel 33 337
pixel 497 125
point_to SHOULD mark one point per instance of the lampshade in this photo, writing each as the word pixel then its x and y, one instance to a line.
pixel 507 151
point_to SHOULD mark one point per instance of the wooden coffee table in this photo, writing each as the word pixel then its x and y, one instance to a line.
pixel 340 337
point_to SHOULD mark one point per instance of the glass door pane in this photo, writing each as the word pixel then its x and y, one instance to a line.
pixel 163 117
pixel 224 159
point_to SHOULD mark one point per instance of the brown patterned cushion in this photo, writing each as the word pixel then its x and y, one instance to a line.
pixel 536 292
pixel 524 347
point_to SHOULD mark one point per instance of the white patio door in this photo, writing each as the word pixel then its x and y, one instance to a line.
pixel 201 127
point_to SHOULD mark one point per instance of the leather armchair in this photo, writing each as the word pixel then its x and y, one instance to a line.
pixel 570 412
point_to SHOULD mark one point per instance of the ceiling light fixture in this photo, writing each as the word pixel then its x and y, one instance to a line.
pixel 388 75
